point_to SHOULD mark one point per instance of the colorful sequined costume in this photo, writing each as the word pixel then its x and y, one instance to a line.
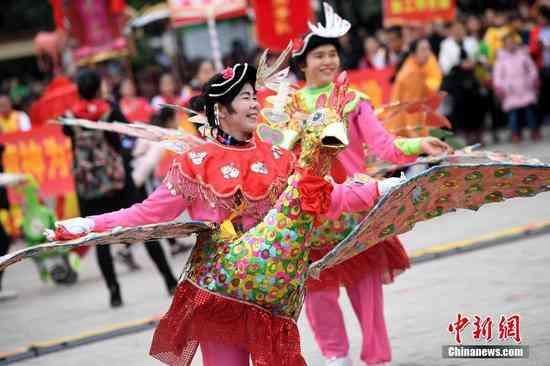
pixel 249 292
pixel 363 274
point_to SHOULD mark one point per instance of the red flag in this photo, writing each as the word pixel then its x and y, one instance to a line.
pixel 277 22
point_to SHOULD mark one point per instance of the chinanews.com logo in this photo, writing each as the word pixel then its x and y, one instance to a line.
pixel 504 330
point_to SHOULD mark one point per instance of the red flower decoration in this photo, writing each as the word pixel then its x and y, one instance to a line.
pixel 228 73
pixel 297 44
pixel 315 195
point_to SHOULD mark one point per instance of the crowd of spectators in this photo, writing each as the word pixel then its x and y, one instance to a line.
pixel 494 67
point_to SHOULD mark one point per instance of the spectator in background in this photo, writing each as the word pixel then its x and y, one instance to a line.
pixel 103 175
pixel 489 17
pixel 420 65
pixel 167 93
pixel 376 56
pixel 419 77
pixel 381 36
pixel 437 32
pixel 147 154
pixel 524 10
pixel 492 43
pixel 136 109
pixel 474 27
pixel 396 47
pixel 413 33
pixel 202 70
pixel 515 79
pixel 495 32
pixel 238 53
pixel 457 59
pixel 516 25
pixel 456 48
pixel 151 162
pixel 12 120
pixel 350 54
pixel 539 47
pixel 474 34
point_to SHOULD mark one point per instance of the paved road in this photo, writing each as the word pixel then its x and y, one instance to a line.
pixel 505 279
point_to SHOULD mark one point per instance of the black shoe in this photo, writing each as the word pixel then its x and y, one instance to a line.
pixel 116 299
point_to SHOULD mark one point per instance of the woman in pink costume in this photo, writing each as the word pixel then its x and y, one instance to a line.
pixel 316 56
pixel 241 295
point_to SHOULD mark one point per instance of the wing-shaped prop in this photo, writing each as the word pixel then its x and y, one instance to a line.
pixel 469 154
pixel 400 117
pixel 176 140
pixel 115 236
pixel 434 192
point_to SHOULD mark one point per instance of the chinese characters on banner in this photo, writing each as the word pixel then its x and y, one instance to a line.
pixel 44 153
pixel 188 12
pixel 508 327
pixel 277 22
pixel 400 12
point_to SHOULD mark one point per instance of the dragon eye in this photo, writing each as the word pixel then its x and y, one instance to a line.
pixel 317 117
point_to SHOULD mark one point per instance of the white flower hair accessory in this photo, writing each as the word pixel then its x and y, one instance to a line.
pixel 335 26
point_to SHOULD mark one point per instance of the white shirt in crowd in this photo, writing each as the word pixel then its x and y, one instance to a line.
pixel 449 52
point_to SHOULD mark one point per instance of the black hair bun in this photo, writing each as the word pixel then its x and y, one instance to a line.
pixel 197 103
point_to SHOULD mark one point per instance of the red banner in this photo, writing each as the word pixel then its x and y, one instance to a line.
pixel 376 84
pixel 277 21
pixel 400 12
pixel 187 12
pixel 45 153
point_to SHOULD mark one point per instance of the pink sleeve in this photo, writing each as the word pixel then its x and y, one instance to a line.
pixel 160 206
pixel 365 128
pixel 352 198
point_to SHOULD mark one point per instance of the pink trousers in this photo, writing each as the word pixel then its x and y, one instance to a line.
pixel 326 320
pixel 216 354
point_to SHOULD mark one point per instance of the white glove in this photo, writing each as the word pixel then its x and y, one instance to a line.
pixel 70 229
pixel 386 185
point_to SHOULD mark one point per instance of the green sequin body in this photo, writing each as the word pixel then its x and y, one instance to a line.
pixel 267 265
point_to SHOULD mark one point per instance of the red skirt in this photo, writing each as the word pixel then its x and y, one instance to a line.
pixel 387 257
pixel 196 315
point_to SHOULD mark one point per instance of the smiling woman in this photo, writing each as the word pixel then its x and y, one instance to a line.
pixel 317 57
pixel 241 119
pixel 230 105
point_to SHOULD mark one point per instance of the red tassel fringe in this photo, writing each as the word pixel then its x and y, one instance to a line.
pixel 198 316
